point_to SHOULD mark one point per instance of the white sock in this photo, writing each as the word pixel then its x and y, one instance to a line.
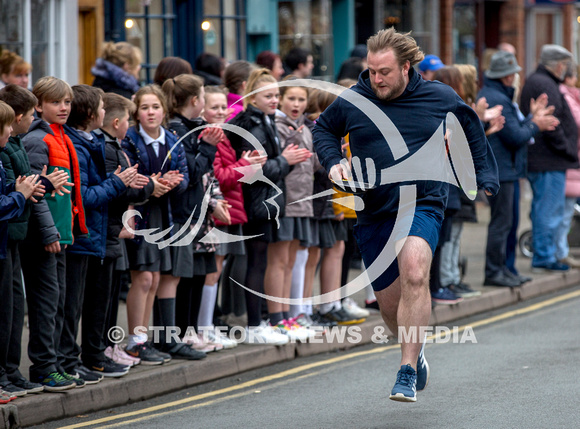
pixel 297 288
pixel 208 297
pixel 337 305
pixel 133 340
pixel 307 308
pixel 325 308
pixel 370 293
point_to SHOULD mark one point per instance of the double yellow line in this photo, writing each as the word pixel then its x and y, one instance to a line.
pixel 297 372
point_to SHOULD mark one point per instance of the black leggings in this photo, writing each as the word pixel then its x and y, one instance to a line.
pixel 188 301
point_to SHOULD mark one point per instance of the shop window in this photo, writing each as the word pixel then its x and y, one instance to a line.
pixel 224 29
pixel 418 16
pixel 464 25
pixel 149 26
pixel 308 25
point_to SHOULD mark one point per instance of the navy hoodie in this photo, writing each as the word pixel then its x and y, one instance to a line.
pixel 417 113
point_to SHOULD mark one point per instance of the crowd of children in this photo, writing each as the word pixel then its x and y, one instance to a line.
pixel 94 184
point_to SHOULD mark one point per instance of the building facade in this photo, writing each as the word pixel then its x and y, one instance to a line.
pixel 40 31
pixel 43 31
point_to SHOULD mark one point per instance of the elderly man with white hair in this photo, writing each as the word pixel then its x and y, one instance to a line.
pixel 550 156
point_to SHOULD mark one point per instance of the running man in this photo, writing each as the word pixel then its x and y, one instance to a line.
pixel 417 108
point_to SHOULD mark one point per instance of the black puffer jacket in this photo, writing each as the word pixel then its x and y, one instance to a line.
pixel 276 168
pixel 553 150
pixel 200 156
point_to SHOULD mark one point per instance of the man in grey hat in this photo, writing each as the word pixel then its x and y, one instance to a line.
pixel 509 147
pixel 553 152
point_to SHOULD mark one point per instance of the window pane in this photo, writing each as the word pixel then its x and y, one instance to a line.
pixel 308 25
pixel 464 35
pixel 134 6
pixel 212 38
pixel 11 26
pixel 40 24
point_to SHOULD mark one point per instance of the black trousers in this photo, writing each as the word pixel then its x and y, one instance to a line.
pixel 12 314
pixel 113 308
pixel 498 230
pixel 6 313
pixel 95 305
pixel 45 296
pixel 76 275
pixel 15 345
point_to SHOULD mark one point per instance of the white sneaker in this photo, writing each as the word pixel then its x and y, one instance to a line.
pixel 264 334
pixel 216 337
pixel 294 331
pixel 352 308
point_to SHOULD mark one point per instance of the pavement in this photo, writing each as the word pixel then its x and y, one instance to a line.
pixel 145 382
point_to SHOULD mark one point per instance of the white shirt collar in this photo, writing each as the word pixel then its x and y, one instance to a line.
pixel 153 142
pixel 84 134
pixel 148 139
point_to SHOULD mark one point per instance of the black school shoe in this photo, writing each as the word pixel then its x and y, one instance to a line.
pixel 166 356
pixel 146 353
pixel 7 386
pixel 26 385
pixel 184 351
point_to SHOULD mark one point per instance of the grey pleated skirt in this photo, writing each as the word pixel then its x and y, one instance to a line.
pixel 144 256
pixel 235 247
pixel 189 261
pixel 324 236
pixel 295 228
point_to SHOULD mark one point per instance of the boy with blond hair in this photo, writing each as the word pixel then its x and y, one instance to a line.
pixel 49 232
pixel 15 163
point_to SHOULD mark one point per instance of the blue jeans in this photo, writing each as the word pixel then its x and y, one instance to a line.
pixel 562 247
pixel 547 213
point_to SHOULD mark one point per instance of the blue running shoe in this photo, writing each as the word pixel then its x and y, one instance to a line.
pixel 405 389
pixel 422 370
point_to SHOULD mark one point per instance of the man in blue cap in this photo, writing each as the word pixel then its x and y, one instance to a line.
pixel 429 65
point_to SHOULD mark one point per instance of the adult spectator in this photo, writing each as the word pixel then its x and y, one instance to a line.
pixel 13 69
pixel 300 63
pixel 235 78
pixel 118 69
pixel 169 67
pixel 351 68
pixel 272 62
pixel 572 95
pixel 550 156
pixel 360 51
pixel 210 68
pixel 510 148
pixel 429 65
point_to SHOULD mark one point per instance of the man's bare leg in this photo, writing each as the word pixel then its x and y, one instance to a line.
pixel 406 304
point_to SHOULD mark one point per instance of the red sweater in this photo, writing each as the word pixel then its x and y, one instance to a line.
pixel 223 166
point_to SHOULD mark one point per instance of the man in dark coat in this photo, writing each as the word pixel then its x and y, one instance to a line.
pixel 550 156
pixel 510 149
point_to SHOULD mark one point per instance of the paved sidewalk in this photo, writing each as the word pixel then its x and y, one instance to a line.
pixel 145 382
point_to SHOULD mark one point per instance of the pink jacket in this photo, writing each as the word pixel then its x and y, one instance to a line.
pixel 572 96
pixel 238 107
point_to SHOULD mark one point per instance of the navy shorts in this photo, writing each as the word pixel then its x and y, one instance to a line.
pixel 372 239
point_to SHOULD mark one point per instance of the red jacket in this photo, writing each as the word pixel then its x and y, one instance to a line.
pixel 223 166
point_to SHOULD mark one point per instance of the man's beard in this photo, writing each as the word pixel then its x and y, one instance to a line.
pixel 397 89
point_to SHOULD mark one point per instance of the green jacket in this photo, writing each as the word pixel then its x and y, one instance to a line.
pixel 15 161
